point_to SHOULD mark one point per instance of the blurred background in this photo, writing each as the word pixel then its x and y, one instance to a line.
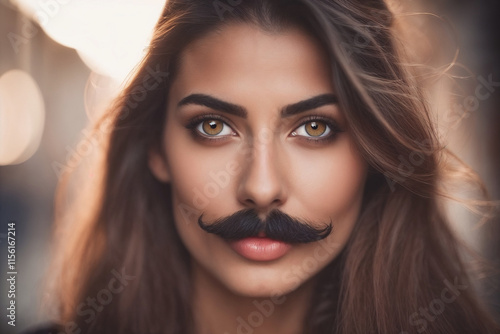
pixel 63 61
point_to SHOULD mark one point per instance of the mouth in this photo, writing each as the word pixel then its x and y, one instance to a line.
pixel 260 248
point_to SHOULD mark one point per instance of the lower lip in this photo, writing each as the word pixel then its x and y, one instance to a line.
pixel 260 249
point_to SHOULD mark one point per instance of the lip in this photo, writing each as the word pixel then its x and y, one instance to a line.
pixel 260 248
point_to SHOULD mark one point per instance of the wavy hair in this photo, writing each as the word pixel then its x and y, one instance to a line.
pixel 402 253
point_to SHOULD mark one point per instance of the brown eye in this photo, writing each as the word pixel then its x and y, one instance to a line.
pixel 213 127
pixel 315 128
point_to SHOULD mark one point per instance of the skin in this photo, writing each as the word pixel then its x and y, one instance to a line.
pixel 264 161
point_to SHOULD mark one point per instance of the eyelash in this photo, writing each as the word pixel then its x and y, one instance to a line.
pixel 332 124
pixel 193 124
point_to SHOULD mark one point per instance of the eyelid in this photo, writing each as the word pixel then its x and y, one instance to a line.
pixel 330 122
pixel 193 122
pixel 333 124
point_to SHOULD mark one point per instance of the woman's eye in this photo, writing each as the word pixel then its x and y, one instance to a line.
pixel 214 127
pixel 313 129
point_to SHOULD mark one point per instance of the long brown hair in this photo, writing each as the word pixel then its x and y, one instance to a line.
pixel 402 256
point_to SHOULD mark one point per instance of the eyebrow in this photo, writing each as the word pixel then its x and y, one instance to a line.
pixel 213 103
pixel 234 109
pixel 309 104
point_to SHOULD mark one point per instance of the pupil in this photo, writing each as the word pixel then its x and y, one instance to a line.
pixel 213 124
pixel 314 125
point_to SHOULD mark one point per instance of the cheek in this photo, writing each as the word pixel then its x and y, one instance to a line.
pixel 334 190
pixel 201 176
pixel 331 184
pixel 196 187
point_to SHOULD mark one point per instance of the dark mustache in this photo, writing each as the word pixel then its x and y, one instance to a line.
pixel 277 225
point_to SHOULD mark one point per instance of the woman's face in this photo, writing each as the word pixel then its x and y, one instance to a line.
pixel 238 137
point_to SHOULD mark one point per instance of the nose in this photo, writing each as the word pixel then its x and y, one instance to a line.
pixel 261 185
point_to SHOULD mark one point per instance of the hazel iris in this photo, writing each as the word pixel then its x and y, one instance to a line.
pixel 213 127
pixel 315 128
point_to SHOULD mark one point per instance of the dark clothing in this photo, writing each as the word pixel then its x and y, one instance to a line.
pixel 46 329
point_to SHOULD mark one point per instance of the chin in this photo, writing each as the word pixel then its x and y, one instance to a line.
pixel 261 282
pixel 262 289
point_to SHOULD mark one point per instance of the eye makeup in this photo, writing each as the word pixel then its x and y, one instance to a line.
pixel 332 128
pixel 197 127
pixel 193 125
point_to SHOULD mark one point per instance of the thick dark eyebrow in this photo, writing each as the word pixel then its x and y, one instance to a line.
pixel 213 103
pixel 230 108
pixel 309 104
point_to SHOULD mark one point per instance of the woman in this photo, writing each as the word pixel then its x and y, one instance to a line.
pixel 253 182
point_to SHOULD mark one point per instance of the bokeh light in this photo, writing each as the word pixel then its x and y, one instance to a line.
pixel 22 116
pixel 110 36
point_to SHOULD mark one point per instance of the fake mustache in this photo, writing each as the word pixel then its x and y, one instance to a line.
pixel 277 225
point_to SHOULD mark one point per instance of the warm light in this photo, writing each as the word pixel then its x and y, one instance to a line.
pixel 22 117
pixel 110 36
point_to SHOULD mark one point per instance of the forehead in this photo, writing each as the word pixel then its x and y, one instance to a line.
pixel 243 58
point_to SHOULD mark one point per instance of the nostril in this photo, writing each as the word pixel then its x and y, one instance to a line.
pixel 250 201
pixel 276 201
